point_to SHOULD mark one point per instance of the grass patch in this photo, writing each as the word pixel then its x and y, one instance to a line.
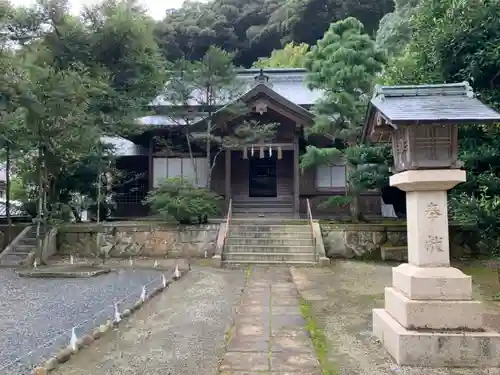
pixel 318 339
pixel 229 335
pixel 484 278
pixel 247 277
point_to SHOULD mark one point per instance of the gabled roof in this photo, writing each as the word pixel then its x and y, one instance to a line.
pixel 263 90
pixel 448 103
pixel 259 85
pixel 288 83
pixel 444 103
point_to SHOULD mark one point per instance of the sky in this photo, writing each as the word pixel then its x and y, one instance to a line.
pixel 156 8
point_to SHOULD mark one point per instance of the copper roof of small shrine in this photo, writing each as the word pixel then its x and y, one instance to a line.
pixel 451 103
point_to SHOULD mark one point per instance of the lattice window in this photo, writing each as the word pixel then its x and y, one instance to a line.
pixel 180 167
pixel 433 143
pixel 328 177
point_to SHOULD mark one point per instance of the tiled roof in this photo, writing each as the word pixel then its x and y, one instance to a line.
pixel 163 120
pixel 122 146
pixel 15 210
pixel 432 103
pixel 289 83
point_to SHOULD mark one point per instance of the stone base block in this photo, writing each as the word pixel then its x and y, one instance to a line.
pixel 418 314
pixel 432 283
pixel 436 348
pixel 323 262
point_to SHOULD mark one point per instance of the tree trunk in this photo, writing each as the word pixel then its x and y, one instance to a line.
pixel 354 208
pixel 7 195
pixel 209 132
pixel 190 150
pixel 40 203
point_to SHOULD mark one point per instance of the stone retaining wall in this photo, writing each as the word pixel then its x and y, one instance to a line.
pixel 125 240
pixel 366 240
pixel 16 228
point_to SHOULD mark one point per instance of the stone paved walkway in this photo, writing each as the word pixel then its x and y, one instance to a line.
pixel 269 335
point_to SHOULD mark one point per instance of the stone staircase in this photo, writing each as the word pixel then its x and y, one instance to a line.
pixel 281 207
pixel 20 247
pixel 269 242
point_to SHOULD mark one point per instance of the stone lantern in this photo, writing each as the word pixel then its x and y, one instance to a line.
pixel 429 317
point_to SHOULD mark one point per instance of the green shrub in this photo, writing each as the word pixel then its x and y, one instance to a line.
pixel 178 199
pixel 482 213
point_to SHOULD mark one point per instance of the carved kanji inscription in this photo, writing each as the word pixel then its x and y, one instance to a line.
pixel 432 211
pixel 434 244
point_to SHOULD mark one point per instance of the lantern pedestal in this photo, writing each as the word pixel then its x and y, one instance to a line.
pixel 429 318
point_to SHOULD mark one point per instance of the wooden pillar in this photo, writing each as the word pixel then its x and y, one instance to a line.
pixel 227 179
pixel 150 169
pixel 296 176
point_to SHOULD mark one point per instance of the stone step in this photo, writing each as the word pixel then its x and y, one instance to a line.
pixel 271 241
pixel 23 248
pixel 271 235
pixel 281 215
pixel 236 263
pixel 272 228
pixel 269 249
pixel 269 221
pixel 396 253
pixel 259 212
pixel 27 241
pixel 266 257
pixel 251 203
pixel 12 259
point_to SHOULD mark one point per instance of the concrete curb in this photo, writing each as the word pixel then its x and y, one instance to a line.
pixel 64 355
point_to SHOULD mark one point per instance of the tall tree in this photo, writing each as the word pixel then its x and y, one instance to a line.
pixel 253 29
pixel 97 72
pixel 344 64
pixel 210 85
pixel 394 31
pixel 291 56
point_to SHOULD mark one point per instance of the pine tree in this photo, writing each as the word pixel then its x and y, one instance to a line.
pixel 344 64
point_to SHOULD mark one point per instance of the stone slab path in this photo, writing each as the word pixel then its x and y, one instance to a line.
pixel 269 335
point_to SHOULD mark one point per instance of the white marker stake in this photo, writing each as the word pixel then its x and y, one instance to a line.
pixel 164 281
pixel 34 264
pixel 177 273
pixel 71 260
pixel 156 264
pixel 130 261
pixel 206 254
pixel 73 340
pixel 118 317
pixel 143 294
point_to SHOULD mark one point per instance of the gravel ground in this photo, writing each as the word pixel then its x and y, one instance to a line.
pixel 342 298
pixel 41 312
pixel 181 331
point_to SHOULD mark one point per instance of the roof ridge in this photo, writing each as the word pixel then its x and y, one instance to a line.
pixel 444 89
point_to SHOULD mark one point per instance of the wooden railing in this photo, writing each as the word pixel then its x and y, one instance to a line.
pixel 311 224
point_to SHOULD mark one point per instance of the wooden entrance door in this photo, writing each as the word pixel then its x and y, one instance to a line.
pixel 262 177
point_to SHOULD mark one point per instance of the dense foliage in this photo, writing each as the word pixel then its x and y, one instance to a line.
pixel 343 64
pixel 70 81
pixel 180 200
pixel 253 29
pixel 455 41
